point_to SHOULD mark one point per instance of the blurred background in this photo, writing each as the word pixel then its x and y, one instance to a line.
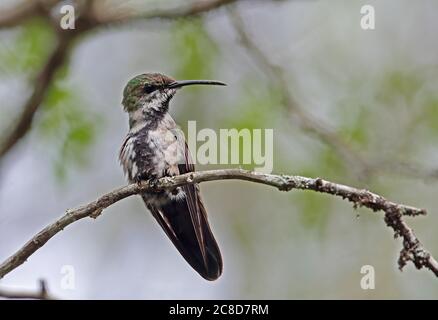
pixel 355 106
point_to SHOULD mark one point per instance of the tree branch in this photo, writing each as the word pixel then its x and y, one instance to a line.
pixel 92 16
pixel 16 15
pixel 412 250
pixel 303 119
pixel 41 84
pixel 314 126
pixel 187 10
pixel 41 294
pixel 87 21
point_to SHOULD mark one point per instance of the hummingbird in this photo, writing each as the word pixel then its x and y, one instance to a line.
pixel 155 148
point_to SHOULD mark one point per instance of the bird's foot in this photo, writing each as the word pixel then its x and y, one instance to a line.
pixel 142 177
pixel 151 179
pixel 153 182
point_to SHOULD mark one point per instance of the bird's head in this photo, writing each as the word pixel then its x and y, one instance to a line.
pixel 154 91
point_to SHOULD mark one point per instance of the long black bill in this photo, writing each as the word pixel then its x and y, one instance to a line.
pixel 179 84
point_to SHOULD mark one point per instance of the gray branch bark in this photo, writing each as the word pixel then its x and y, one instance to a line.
pixel 394 213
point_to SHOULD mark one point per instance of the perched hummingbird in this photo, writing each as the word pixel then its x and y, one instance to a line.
pixel 155 148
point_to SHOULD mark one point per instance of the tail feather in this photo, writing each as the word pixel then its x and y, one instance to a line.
pixel 175 219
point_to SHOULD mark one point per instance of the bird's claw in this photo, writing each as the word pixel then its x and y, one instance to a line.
pixel 153 181
pixel 140 178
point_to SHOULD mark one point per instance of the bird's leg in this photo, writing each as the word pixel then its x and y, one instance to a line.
pixel 151 178
pixel 153 181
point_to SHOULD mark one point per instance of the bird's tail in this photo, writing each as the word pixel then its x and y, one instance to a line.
pixel 202 254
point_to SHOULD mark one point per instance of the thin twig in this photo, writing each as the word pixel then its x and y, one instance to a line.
pixel 317 127
pixel 19 13
pixel 87 21
pixel 412 250
pixel 41 85
pixel 41 294
pixel 303 119
pixel 187 10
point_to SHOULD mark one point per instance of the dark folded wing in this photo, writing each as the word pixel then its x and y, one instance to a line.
pixel 185 223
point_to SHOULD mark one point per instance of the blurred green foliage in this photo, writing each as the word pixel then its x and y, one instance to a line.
pixel 67 125
pixel 31 45
pixel 398 84
pixel 63 120
pixel 355 130
pixel 194 49
pixel 431 114
pixel 314 210
pixel 258 106
pixel 195 53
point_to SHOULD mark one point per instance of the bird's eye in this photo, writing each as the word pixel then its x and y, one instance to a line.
pixel 149 88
